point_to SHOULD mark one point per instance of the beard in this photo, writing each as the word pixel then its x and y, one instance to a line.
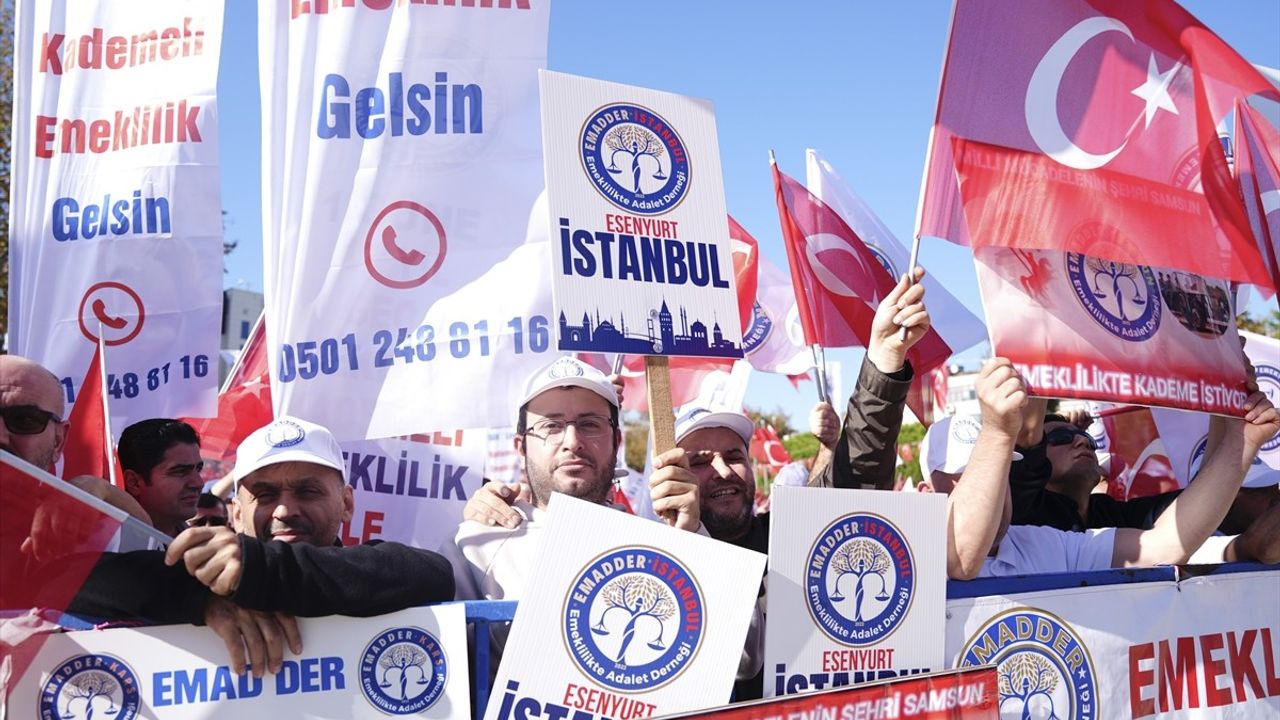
pixel 728 525
pixel 543 482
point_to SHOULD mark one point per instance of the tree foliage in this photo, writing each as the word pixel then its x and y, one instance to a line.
pixel 1026 673
pixel 635 140
pixel 779 419
pixel 1268 325
pixel 624 592
pixel 860 556
pixel 91 684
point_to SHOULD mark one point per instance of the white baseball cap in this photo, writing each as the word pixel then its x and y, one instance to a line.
pixel 287 439
pixel 695 417
pixel 569 372
pixel 949 442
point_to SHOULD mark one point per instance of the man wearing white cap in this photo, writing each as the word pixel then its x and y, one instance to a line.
pixel 291 499
pixel 567 436
pixel 981 543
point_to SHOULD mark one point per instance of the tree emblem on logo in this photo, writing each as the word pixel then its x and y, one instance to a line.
pixel 1116 277
pixel 90 687
pixel 400 660
pixel 862 559
pixel 638 143
pixel 638 597
pixel 1027 677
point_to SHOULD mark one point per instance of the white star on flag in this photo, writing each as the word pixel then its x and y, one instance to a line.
pixel 1155 91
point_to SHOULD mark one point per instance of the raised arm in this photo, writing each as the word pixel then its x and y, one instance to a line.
pixel 978 506
pixel 1195 514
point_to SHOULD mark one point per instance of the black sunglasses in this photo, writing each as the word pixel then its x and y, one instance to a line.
pixel 1066 436
pixel 26 419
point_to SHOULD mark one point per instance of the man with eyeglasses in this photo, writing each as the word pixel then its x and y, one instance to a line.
pixel 161 461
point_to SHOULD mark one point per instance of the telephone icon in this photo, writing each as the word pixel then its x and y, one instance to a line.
pixel 100 312
pixel 407 257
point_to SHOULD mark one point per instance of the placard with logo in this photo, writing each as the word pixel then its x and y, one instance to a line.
pixel 116 228
pixel 625 618
pixel 641 259
pixel 407 663
pixel 1080 326
pixel 857 587
pixel 1202 647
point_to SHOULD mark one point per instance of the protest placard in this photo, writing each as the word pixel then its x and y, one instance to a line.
pixel 857 587
pixel 625 618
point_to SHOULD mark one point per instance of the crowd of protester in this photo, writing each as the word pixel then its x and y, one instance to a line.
pixel 1020 482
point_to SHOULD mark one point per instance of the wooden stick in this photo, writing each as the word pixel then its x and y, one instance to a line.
pixel 662 419
pixel 911 271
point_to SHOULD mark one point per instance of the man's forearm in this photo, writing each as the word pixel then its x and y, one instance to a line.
pixel 975 506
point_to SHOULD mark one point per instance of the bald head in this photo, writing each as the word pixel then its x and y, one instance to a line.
pixel 26 383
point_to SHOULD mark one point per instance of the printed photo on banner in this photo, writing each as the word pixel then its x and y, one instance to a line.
pixel 625 617
pixel 411 663
pixel 857 588
pixel 641 258
pixel 119 234
pixel 1079 326
pixel 398 276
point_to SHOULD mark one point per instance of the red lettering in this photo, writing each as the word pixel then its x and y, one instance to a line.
pixel 44 135
pixel 1269 663
pixel 1177 671
pixel 1213 669
pixel 1241 661
pixel 1140 680
pixel 372 526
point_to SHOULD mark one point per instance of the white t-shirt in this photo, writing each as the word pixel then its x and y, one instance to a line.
pixel 1030 549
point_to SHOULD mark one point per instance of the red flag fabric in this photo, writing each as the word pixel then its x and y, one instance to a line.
pixel 1088 119
pixel 768 450
pixel 746 257
pixel 1258 170
pixel 838 281
pixel 88 451
pixel 1139 464
pixel 49 541
pixel 244 405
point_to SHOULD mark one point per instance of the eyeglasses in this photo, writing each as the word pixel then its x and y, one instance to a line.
pixel 26 419
pixel 589 427
pixel 206 521
pixel 703 458
pixel 1066 436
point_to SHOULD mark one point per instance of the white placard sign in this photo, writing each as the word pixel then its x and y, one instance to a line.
pixel 116 223
pixel 400 168
pixel 857 587
pixel 412 662
pixel 641 256
pixel 412 490
pixel 625 618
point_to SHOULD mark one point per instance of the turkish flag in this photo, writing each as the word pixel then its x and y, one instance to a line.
pixel 746 258
pixel 244 405
pixel 1140 464
pixel 1258 171
pixel 50 540
pixel 767 449
pixel 89 450
pixel 838 280
pixel 1089 126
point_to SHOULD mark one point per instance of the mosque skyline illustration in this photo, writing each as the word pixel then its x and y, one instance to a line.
pixel 660 336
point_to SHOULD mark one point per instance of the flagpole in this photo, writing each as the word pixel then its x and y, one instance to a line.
pixel 911 272
pixel 109 443
pixel 820 370
pixel 617 364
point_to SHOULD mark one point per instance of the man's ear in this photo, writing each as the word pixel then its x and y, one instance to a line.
pixel 348 504
pixel 233 514
pixel 518 441
pixel 59 439
pixel 133 482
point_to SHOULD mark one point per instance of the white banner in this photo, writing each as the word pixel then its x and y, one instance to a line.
pixel 625 618
pixel 861 595
pixel 116 226
pixel 1203 647
pixel 412 490
pixel 1185 434
pixel 641 256
pixel 401 162
pixel 412 662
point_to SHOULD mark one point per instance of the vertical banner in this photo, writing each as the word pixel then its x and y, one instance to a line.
pixel 860 595
pixel 625 618
pixel 116 225
pixel 641 259
pixel 401 165
pixel 411 490
pixel 1077 326
pixel 407 663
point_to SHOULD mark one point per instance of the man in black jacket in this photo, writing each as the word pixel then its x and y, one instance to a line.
pixel 283 559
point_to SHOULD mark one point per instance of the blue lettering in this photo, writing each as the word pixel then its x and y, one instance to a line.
pixel 161 689
pixel 191 688
pixel 72 220
pixel 222 684
pixel 651 259
pixel 287 680
pixel 585 263
pixel 716 280
pixel 677 273
pixel 368 108
pixel 606 262
pixel 375 112
pixel 331 677
pixel 628 262
pixel 334 116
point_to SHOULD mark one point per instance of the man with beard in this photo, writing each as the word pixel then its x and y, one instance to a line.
pixel 161 461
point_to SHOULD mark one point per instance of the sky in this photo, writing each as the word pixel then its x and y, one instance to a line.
pixel 855 80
